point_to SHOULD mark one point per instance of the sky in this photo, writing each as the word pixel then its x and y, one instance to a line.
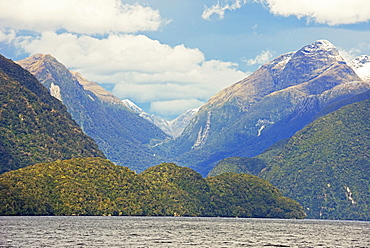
pixel 168 56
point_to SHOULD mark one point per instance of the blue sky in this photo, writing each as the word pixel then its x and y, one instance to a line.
pixel 171 55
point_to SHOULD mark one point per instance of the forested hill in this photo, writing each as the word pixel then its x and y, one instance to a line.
pixel 34 126
pixel 326 166
pixel 95 186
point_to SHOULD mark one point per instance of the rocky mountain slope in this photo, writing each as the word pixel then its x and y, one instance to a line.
pixel 123 136
pixel 34 126
pixel 273 103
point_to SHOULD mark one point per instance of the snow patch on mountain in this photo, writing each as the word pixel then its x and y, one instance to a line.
pixel 361 65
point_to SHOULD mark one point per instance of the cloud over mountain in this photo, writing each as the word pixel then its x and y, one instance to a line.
pixel 262 58
pixel 159 51
pixel 100 40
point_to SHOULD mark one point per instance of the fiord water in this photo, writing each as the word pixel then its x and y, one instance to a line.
pixel 78 231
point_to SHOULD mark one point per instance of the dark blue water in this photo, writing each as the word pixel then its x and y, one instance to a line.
pixel 179 232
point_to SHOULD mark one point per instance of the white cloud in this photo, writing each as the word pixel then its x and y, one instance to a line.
pixel 7 36
pixel 175 107
pixel 262 58
pixel 331 12
pixel 201 82
pixel 349 54
pixel 219 9
pixel 79 16
pixel 114 54
pixel 136 67
pixel 141 69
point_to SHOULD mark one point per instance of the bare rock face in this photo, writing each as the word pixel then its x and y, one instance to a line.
pixel 290 89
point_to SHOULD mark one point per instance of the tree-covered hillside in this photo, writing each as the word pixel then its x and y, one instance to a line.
pixel 326 166
pixel 95 186
pixel 34 126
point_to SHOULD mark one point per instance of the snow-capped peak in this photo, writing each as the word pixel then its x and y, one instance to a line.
pixel 323 44
pixel 361 65
pixel 322 48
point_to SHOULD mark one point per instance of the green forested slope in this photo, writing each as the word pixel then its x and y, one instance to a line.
pixel 246 195
pixel 95 186
pixel 34 126
pixel 326 166
pixel 252 166
pixel 238 165
pixel 178 190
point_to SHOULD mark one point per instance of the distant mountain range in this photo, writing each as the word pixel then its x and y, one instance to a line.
pixel 173 128
pixel 34 126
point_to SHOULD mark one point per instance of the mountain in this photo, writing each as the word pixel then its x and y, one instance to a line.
pixel 34 126
pixel 326 165
pixel 361 65
pixel 123 136
pixel 173 128
pixel 95 186
pixel 273 103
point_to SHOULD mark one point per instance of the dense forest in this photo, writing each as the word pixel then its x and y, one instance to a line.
pixel 95 186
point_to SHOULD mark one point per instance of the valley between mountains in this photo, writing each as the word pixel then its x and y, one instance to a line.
pixel 300 122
